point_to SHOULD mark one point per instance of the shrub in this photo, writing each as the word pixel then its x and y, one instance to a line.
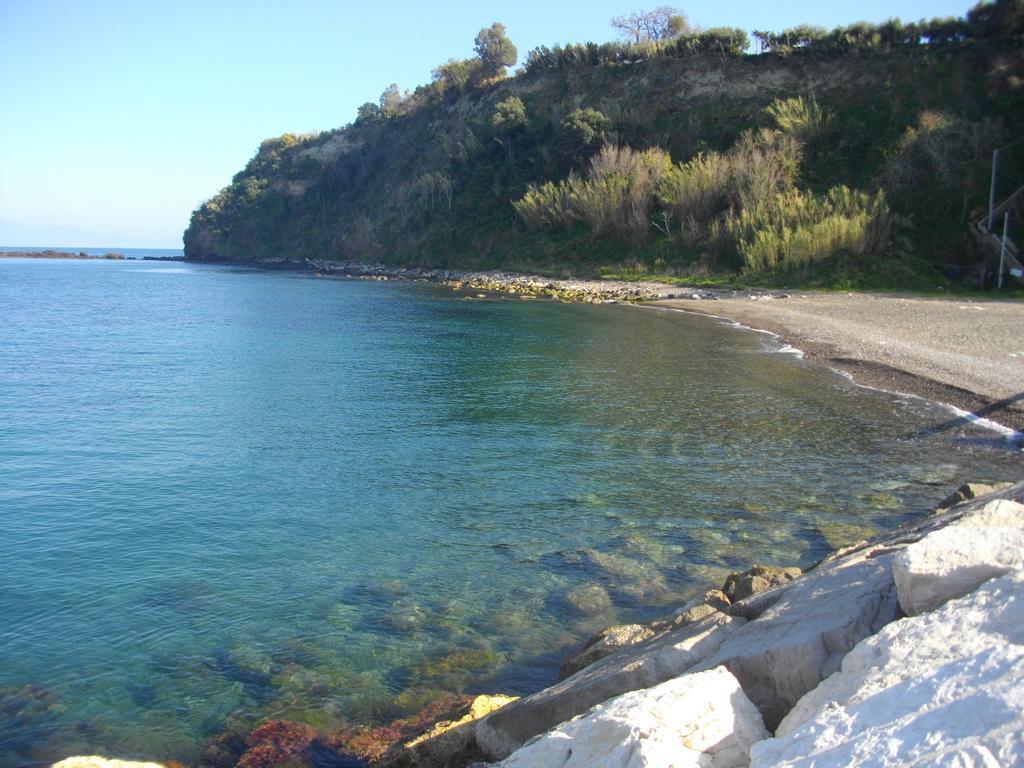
pixel 796 228
pixel 941 163
pixel 695 192
pixel 584 130
pixel 455 75
pixel 759 166
pixel 615 197
pixel 801 118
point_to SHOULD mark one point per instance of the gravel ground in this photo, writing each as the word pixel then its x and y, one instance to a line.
pixel 966 353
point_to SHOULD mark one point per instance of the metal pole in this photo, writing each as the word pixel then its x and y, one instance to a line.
pixel 992 188
pixel 1002 251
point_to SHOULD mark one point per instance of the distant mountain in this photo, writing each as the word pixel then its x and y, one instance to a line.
pixel 13 233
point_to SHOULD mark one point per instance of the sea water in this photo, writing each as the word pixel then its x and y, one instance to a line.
pixel 229 494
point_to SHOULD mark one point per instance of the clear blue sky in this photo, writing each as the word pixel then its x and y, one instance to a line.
pixel 117 117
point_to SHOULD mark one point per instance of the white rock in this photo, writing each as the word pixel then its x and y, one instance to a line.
pixel 95 761
pixel 640 666
pixel 999 513
pixel 943 688
pixel 952 561
pixel 694 720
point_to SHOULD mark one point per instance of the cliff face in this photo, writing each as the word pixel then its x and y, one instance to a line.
pixel 434 186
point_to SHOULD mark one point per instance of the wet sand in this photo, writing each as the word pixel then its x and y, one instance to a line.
pixel 967 353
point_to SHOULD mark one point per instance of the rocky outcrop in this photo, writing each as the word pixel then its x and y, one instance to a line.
pixel 804 628
pixel 604 643
pixel 951 562
pixel 612 639
pixel 943 688
pixel 695 720
pixel 449 742
pixel 663 657
pixel 969 491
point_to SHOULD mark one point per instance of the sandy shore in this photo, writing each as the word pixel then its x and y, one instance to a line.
pixel 966 353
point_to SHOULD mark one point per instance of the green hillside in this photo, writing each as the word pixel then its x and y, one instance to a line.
pixel 851 157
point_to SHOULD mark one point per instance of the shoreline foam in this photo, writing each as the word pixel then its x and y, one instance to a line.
pixel 1010 434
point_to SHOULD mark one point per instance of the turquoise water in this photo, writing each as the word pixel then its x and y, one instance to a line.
pixel 228 494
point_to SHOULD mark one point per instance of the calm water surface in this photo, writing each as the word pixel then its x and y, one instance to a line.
pixel 229 494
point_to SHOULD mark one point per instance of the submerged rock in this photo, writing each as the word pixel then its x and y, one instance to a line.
pixel 760 578
pixel 589 599
pixel 624 567
pixel 838 534
pixel 945 687
pixel 696 720
pixel 276 742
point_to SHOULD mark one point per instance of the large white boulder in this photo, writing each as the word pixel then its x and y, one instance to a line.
pixel 943 688
pixel 640 666
pixel 696 720
pixel 952 561
pixel 95 761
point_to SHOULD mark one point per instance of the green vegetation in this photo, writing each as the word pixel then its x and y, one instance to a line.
pixel 847 158
pixel 663 23
pixel 495 50
pixel 508 119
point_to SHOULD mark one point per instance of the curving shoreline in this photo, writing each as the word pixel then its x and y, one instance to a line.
pixel 964 353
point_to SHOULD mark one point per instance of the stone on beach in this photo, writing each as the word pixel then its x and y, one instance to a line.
pixel 950 562
pixel 943 688
pixel 642 666
pixel 695 720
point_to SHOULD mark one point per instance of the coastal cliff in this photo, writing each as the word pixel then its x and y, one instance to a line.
pixel 877 141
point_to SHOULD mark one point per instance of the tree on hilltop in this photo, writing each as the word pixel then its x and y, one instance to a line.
pixel 457 74
pixel 368 111
pixel 391 101
pixel 661 23
pixel 495 50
